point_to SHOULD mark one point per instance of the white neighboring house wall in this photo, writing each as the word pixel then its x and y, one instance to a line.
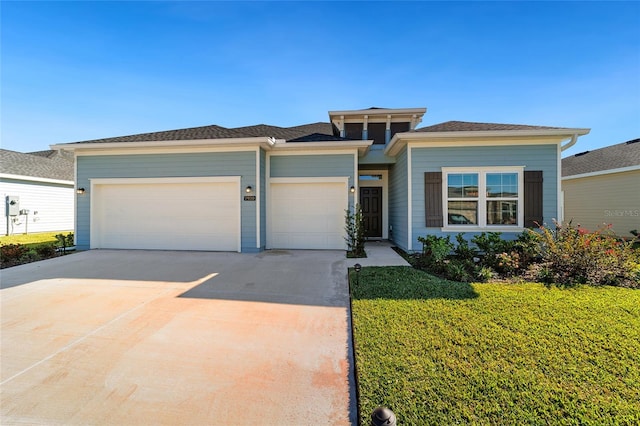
pixel 50 203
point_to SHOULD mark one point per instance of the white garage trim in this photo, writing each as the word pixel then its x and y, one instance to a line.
pixel 342 196
pixel 344 180
pixel 258 195
pixel 97 182
pixel 137 181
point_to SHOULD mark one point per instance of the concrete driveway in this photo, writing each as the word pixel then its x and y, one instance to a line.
pixel 194 338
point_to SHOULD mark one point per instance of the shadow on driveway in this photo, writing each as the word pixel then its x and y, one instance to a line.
pixel 309 277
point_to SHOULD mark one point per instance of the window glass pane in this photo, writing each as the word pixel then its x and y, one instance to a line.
pixel 502 212
pixel 454 183
pixel 462 212
pixel 462 185
pixel 370 177
pixel 502 185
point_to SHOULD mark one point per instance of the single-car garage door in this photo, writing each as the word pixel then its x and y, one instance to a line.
pixel 166 214
pixel 307 215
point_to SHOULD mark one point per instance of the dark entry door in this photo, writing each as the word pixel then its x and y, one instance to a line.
pixel 371 203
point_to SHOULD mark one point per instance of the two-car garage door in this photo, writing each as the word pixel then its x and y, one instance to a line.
pixel 171 214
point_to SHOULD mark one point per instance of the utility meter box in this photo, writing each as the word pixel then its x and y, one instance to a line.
pixel 13 205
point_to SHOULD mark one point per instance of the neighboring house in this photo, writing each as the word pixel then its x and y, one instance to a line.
pixel 603 187
pixel 260 187
pixel 38 191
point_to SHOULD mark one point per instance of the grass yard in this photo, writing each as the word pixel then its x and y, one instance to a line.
pixel 31 240
pixel 438 352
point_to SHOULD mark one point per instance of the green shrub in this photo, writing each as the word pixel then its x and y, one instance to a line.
pixel 12 252
pixel 491 245
pixel 29 256
pixel 435 251
pixel 528 246
pixel 508 263
pixel 46 250
pixel 458 270
pixel 573 255
pixel 463 250
pixel 65 241
pixel 484 274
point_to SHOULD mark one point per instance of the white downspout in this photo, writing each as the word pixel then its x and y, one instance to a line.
pixel 560 212
pixel 571 143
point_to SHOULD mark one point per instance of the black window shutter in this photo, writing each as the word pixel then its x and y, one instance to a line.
pixel 433 199
pixel 532 199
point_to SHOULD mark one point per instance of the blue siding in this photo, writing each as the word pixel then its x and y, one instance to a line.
pixel 312 165
pixel 376 155
pixel 168 165
pixel 533 157
pixel 331 165
pixel 398 203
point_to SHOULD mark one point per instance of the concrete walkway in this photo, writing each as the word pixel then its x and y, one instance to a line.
pixel 379 253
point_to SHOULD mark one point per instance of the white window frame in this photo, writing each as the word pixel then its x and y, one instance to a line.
pixel 482 199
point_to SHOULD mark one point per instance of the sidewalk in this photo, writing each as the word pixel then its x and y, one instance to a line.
pixel 379 253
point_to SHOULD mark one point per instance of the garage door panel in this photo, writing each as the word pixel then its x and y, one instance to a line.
pixel 307 215
pixel 168 216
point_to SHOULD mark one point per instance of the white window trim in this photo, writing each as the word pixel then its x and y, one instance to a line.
pixel 482 200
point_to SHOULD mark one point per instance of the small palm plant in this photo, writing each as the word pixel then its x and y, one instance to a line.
pixel 354 227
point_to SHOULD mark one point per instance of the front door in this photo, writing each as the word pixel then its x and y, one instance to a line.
pixel 371 204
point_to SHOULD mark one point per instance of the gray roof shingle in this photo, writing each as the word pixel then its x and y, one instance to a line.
pixel 219 132
pixel 57 166
pixel 315 132
pixel 625 154
pixel 469 126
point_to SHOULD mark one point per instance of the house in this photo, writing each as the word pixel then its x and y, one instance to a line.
pixel 38 190
pixel 603 187
pixel 262 187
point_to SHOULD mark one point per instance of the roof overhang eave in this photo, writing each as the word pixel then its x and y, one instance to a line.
pixel 379 111
pixel 361 146
pixel 35 179
pixel 264 142
pixel 562 134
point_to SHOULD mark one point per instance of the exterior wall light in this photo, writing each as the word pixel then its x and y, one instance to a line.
pixel 80 191
pixel 352 189
pixel 248 189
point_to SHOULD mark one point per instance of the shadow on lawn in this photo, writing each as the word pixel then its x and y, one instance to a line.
pixel 405 283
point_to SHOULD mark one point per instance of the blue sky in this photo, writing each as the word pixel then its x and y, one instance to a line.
pixel 78 70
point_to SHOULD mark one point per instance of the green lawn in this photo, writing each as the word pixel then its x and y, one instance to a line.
pixel 31 240
pixel 439 352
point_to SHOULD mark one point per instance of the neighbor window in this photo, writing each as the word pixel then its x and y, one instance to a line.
pixel 483 197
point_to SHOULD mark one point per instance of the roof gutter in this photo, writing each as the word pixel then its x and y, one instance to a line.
pixel 483 135
pixel 35 179
pixel 361 146
pixel 265 142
